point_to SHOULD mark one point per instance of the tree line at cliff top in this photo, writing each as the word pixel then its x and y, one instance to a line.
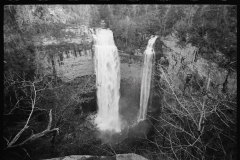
pixel 212 28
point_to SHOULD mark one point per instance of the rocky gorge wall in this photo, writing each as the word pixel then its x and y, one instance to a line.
pixel 182 61
pixel 73 66
pixel 77 60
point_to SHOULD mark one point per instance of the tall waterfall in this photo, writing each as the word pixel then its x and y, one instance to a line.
pixel 107 68
pixel 146 78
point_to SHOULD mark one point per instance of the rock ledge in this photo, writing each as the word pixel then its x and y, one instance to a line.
pixel 129 156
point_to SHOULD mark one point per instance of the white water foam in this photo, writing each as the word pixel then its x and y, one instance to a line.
pixel 107 68
pixel 146 79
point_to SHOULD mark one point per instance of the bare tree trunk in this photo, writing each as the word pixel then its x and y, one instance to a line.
pixel 146 8
pixel 164 19
pixel 224 89
pixel 54 69
pixel 110 11
pixel 134 10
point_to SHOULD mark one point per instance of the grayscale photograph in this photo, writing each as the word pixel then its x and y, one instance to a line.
pixel 120 82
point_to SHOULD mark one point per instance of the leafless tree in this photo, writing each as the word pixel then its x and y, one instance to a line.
pixel 191 124
pixel 26 91
pixel 40 94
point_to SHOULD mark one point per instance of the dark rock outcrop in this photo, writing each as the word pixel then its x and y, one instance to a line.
pixel 130 156
pixel 183 61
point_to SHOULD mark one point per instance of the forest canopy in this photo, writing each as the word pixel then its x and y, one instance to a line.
pixel 211 28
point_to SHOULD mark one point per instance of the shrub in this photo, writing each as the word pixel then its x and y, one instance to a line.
pixel 195 125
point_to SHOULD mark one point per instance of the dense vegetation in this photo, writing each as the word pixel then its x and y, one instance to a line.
pixel 52 103
pixel 212 28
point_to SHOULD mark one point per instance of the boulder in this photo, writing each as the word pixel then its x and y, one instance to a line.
pixel 129 156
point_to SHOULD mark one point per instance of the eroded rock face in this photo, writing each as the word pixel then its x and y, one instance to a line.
pixel 78 61
pixel 130 156
pixel 71 54
pixel 180 63
pixel 183 61
pixel 73 67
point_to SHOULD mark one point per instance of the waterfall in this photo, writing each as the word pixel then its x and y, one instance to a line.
pixel 146 78
pixel 107 68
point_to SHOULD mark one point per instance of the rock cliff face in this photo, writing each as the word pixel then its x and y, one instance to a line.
pixel 75 66
pixel 69 56
pixel 76 62
pixel 72 67
pixel 184 61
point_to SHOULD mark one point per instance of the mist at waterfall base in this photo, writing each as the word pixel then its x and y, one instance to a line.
pixel 128 111
pixel 119 117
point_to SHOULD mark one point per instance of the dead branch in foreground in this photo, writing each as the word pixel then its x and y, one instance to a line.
pixel 187 120
pixel 32 97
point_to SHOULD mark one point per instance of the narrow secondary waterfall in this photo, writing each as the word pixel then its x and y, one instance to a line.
pixel 146 78
pixel 107 68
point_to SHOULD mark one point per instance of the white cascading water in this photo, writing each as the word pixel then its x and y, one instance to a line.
pixel 107 68
pixel 146 79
